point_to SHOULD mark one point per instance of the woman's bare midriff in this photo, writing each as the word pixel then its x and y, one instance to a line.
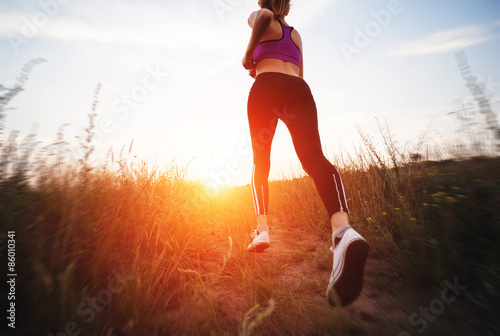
pixel 277 65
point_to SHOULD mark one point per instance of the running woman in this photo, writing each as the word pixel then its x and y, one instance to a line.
pixel 274 58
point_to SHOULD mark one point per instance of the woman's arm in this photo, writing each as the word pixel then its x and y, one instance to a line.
pixel 301 73
pixel 251 19
pixel 259 21
pixel 301 70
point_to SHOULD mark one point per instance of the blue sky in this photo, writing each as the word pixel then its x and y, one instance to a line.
pixel 172 78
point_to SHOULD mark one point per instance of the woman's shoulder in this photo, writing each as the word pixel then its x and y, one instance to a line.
pixel 296 34
pixel 263 12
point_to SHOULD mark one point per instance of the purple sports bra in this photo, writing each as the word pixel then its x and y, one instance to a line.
pixel 284 49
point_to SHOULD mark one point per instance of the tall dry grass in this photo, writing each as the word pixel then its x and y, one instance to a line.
pixel 126 248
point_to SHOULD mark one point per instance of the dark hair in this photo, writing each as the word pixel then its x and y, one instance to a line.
pixel 267 4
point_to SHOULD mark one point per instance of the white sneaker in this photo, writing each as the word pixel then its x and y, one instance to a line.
pixel 350 251
pixel 260 242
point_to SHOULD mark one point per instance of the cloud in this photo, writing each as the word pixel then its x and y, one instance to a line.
pixel 442 41
pixel 167 26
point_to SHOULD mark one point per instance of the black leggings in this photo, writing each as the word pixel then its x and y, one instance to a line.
pixel 276 96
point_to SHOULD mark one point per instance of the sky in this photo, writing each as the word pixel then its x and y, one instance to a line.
pixel 171 78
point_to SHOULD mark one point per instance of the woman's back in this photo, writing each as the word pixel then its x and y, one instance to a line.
pixel 271 61
pixel 278 47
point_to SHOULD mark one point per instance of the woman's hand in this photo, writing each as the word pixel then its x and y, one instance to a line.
pixel 249 64
pixel 252 73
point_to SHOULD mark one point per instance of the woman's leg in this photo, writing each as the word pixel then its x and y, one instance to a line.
pixel 303 128
pixel 262 129
pixel 262 125
pixel 350 250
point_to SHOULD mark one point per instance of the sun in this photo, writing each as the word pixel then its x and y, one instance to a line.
pixel 219 171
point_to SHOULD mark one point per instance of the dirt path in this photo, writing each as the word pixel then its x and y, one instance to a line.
pixel 294 272
pixel 385 306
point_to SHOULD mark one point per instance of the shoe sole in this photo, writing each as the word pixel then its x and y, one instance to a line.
pixel 348 286
pixel 259 248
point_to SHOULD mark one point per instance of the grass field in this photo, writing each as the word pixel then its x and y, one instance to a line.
pixel 128 249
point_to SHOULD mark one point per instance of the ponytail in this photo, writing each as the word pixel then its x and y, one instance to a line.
pixel 267 4
pixel 280 7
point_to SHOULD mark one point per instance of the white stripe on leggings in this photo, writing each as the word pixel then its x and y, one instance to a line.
pixel 338 193
pixel 343 193
pixel 254 192
pixel 263 199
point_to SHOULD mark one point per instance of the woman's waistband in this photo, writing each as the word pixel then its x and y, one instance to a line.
pixel 279 75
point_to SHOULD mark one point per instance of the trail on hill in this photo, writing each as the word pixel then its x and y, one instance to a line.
pixel 294 272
